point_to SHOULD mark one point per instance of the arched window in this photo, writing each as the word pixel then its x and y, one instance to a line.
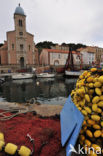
pixel 12 46
pixel 21 33
pixel 29 47
pixel 20 23
pixel 21 46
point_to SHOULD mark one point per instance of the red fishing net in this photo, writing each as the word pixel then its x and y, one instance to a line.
pixel 45 132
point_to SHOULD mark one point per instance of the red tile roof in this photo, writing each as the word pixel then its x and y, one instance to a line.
pixel 89 49
pixel 60 51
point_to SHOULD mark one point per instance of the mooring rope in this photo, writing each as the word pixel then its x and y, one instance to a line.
pixel 17 110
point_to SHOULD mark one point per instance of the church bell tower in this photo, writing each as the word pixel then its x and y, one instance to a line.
pixel 20 29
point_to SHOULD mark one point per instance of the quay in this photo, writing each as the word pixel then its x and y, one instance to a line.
pixel 44 110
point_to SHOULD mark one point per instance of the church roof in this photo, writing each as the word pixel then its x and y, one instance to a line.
pixel 19 10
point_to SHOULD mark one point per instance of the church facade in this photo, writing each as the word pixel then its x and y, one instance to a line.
pixel 19 49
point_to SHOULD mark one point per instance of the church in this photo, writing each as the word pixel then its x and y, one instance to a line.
pixel 19 49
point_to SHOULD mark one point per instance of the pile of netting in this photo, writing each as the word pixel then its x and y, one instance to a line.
pixel 88 97
pixel 44 131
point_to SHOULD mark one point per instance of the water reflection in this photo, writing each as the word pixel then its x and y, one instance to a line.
pixel 49 91
pixel 22 81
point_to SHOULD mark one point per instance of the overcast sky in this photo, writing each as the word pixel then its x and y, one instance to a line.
pixel 69 21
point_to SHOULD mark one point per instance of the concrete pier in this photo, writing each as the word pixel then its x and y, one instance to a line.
pixel 45 110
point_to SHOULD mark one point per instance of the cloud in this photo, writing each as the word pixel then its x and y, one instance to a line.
pixel 78 21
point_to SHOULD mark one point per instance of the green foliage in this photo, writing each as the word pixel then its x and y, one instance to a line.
pixel 48 44
pixel 74 46
pixel 45 44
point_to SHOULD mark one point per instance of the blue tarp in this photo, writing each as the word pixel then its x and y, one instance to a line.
pixel 47 71
pixel 71 123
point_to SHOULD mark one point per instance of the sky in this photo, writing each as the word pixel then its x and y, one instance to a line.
pixel 59 21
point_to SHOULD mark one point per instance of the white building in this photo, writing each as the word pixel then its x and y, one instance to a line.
pixel 58 57
pixel 88 55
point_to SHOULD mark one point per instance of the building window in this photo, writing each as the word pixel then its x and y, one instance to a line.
pixel 20 23
pixel 29 47
pixel 53 55
pixel 12 46
pixel 20 33
pixel 59 56
pixel 21 46
pixel 65 56
pixel 77 57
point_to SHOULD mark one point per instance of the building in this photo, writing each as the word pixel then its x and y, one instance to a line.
pixel 88 55
pixel 99 55
pixel 19 49
pixel 92 55
pixel 36 58
pixel 60 47
pixel 58 57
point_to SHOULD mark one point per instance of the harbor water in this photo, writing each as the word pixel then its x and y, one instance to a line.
pixel 45 90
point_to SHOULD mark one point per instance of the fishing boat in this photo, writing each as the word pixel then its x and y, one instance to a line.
pixel 72 73
pixel 45 75
pixel 22 76
pixel 71 69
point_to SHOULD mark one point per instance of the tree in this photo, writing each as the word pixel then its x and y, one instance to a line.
pixel 49 44
pixel 45 44
pixel 74 46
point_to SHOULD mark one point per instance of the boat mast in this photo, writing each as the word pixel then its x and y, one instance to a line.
pixel 69 62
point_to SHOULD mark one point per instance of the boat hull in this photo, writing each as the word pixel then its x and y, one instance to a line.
pixel 43 75
pixel 72 73
pixel 22 76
